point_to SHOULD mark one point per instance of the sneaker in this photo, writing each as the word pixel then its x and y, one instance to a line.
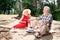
pixel 37 35
pixel 51 31
pixel 30 30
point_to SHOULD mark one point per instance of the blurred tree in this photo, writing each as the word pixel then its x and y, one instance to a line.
pixel 19 8
pixel 58 1
pixel 6 5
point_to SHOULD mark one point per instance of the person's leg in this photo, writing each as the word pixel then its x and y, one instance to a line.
pixel 37 32
pixel 41 31
pixel 44 30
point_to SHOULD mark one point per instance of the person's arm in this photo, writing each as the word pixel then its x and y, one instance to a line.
pixel 31 19
pixel 36 18
pixel 29 24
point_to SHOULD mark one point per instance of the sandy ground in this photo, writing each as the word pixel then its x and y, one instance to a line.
pixel 21 34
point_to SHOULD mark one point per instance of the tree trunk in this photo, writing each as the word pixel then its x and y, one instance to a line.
pixel 19 8
pixel 4 11
pixel 8 11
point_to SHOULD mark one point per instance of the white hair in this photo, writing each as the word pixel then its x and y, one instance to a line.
pixel 28 10
pixel 46 7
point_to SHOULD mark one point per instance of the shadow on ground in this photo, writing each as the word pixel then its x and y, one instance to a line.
pixel 47 37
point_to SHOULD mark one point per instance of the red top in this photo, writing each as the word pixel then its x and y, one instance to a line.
pixel 24 22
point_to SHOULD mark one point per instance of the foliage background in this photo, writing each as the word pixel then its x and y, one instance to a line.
pixel 17 6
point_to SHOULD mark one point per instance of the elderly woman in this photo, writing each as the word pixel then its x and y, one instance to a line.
pixel 44 26
pixel 25 19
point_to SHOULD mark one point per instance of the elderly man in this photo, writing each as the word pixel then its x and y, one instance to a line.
pixel 45 25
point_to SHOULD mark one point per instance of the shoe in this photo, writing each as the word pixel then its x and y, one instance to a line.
pixel 51 31
pixel 30 30
pixel 37 35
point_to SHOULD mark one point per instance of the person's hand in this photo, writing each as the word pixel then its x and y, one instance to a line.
pixel 36 28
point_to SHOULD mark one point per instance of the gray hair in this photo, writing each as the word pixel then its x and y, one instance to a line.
pixel 46 7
